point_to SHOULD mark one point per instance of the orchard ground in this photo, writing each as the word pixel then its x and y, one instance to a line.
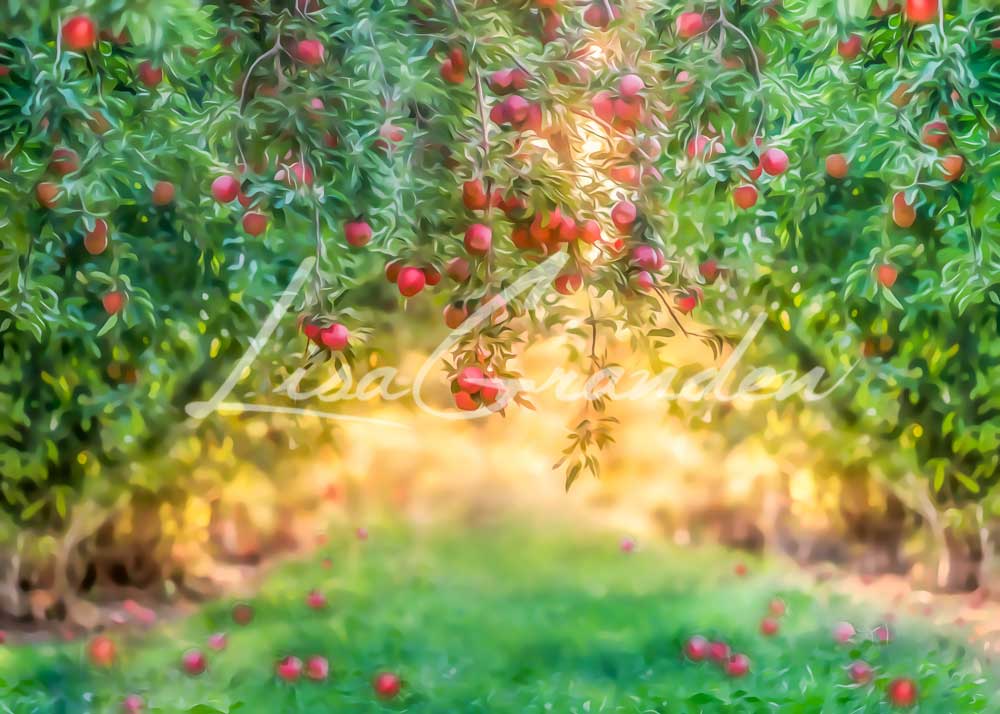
pixel 514 618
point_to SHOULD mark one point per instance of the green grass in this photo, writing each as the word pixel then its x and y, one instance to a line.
pixel 509 620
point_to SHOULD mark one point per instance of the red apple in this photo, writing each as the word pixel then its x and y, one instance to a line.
pixel 690 24
pixel 242 612
pixel 478 239
pixel 836 166
pixel 474 195
pixel 470 379
pixel 132 704
pixel 218 641
pixel 686 303
pixel 623 215
pixel 334 337
pixel 149 75
pixel 392 269
pixel 193 663
pixel 696 648
pixel 709 270
pixel 458 269
pixel 465 402
pixel 47 194
pixel 96 241
pixel 920 11
pixel 315 599
pixel 745 196
pixel 289 669
pixel 64 161
pixel 569 283
pixel 411 281
pixel 843 632
pixel 79 33
pixel 589 231
pixel 254 223
pixel 646 257
pixel 777 607
pixel 163 193
pixel 952 167
pixel 225 189
pixel 455 314
pixel 718 652
pixel 386 685
pixel 882 634
pixel 768 626
pixel 101 651
pixel 887 275
pixel 935 134
pixel 860 672
pixel 642 281
pixel 113 301
pixel 738 666
pixel 357 233
pixel 630 85
pixel 850 47
pixel 317 668
pixel 774 161
pixel 627 545
pixel 310 52
pixel 902 692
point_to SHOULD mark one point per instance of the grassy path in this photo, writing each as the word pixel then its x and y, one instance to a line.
pixel 508 621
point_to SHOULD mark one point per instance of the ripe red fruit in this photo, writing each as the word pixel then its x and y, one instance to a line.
pixel 225 189
pixel 96 241
pixel 745 196
pixel 642 281
pixel 589 231
pixel 386 685
pixel 392 269
pixel 254 223
pixel 470 379
pixel 630 85
pixel 163 193
pixel 132 704
pixel 690 24
pixel 465 402
pixel 455 315
pixel 79 33
pixel 474 195
pixel 777 607
pixel 193 662
pixel 623 215
pixel 738 666
pixel 458 269
pixel 391 133
pixel 454 67
pixel 64 161
pixel 882 634
pixel 718 652
pixel 709 270
pixel 902 692
pixel 47 194
pixel 903 214
pixel 357 233
pixel 101 651
pixel 952 167
pixel 646 257
pixel 478 239
pixel 317 668
pixel 310 52
pixel 113 301
pixel 686 303
pixel 887 275
pixel 843 632
pixel 849 48
pixel 604 106
pixel 921 10
pixel 935 134
pixel 242 613
pixel 836 166
pixel 774 161
pixel 149 75
pixel 569 283
pixel 334 337
pixel 860 672
pixel 596 14
pixel 768 626
pixel 289 669
pixel 741 570
pixel 411 281
pixel 218 641
pixel 316 600
pixel 627 545
pixel 432 275
pixel 696 648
